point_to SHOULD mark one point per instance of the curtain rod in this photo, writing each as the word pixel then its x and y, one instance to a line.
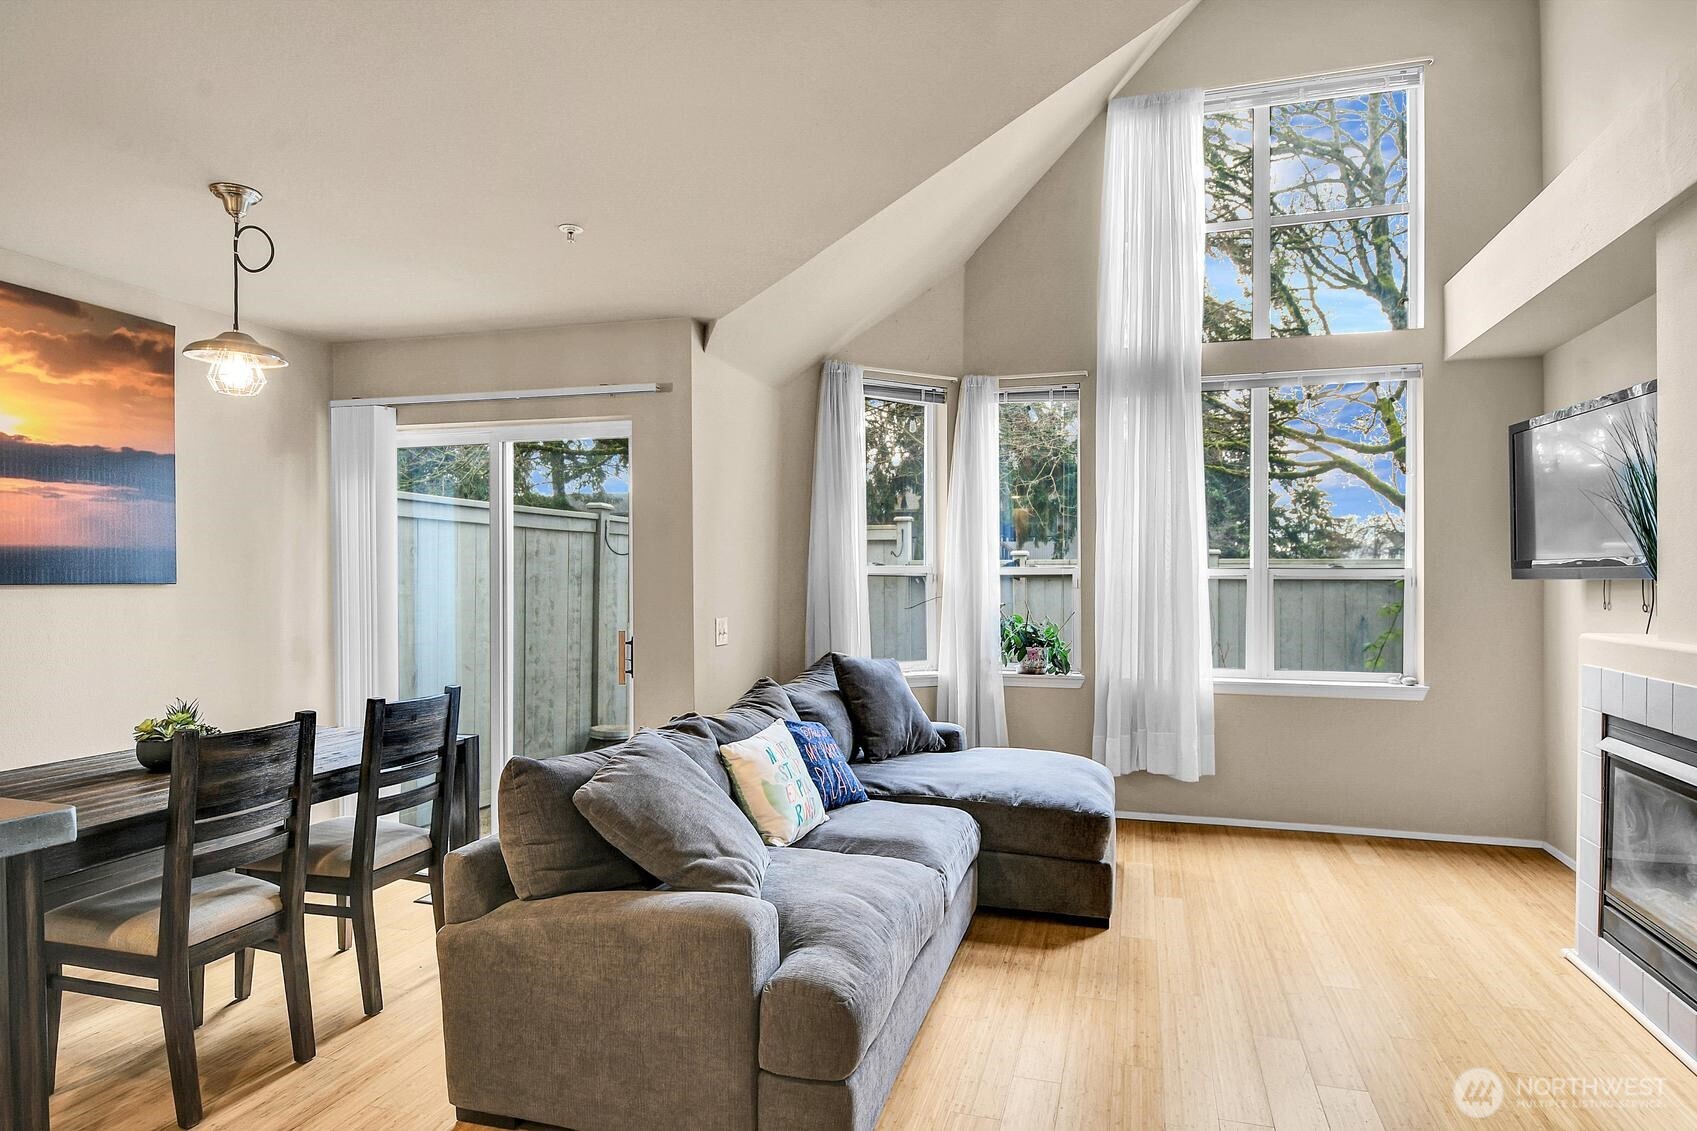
pixel 1079 373
pixel 909 373
pixel 1223 93
pixel 510 395
pixel 1073 373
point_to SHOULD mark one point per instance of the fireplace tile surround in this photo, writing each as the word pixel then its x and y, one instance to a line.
pixel 1665 706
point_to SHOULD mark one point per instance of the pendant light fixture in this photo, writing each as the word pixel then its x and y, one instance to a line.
pixel 238 363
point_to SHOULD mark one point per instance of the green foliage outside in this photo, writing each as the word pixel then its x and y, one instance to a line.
pixel 1313 431
pixel 895 466
pixel 1039 472
pixel 1357 431
pixel 556 474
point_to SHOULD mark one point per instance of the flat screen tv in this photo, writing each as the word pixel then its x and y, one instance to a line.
pixel 1563 467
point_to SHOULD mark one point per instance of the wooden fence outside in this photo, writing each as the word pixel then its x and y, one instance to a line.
pixel 1319 624
pixel 571 597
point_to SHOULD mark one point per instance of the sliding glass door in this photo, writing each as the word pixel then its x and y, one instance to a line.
pixel 514 582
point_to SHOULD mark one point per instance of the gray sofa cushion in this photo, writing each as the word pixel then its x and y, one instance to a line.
pixel 694 737
pixel 934 835
pixel 888 720
pixel 760 706
pixel 549 847
pixel 815 697
pixel 1035 802
pixel 849 928
pixel 954 738
pixel 655 805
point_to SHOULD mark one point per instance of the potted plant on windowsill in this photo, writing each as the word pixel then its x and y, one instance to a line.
pixel 1035 647
pixel 153 736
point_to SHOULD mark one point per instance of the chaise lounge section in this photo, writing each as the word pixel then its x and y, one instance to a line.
pixel 655 1008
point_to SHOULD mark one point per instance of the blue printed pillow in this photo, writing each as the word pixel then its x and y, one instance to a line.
pixel 825 765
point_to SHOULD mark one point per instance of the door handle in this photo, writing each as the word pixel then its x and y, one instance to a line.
pixel 627 657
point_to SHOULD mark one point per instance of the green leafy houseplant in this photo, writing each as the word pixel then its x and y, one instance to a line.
pixel 1631 492
pixel 153 736
pixel 1022 633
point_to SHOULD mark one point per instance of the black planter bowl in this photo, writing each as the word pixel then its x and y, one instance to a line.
pixel 155 754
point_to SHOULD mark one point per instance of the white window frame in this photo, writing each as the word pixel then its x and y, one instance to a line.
pixel 1261 98
pixel 1258 650
pixel 932 400
pixel 1024 391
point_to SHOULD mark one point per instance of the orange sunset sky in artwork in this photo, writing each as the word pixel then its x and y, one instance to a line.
pixel 87 425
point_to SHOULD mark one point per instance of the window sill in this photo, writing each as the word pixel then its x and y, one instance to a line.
pixel 1319 688
pixel 1009 679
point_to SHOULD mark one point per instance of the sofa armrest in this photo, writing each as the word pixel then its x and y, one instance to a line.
pixel 617 1008
pixel 954 738
pixel 475 881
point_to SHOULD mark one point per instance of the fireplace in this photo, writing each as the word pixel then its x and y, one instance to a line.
pixel 1649 851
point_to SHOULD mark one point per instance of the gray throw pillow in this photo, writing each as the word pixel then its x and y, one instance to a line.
pixel 549 848
pixel 692 735
pixel 761 706
pixel 888 720
pixel 655 805
pixel 815 697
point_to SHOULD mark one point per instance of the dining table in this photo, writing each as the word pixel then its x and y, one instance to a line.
pixel 89 824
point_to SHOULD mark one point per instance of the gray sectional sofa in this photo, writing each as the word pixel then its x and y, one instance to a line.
pixel 645 1007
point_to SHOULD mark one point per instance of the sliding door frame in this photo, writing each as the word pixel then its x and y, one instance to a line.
pixel 500 438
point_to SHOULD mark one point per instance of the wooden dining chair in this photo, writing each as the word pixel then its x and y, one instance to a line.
pixel 234 799
pixel 407 761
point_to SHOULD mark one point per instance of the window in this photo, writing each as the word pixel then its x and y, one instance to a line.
pixel 1311 559
pixel 901 582
pixel 1313 207
pixel 1039 517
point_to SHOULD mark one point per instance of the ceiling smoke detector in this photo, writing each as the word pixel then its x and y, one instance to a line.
pixel 572 231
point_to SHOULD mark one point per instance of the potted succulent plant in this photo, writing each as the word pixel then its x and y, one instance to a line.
pixel 153 736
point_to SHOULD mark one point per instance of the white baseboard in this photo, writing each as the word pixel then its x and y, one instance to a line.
pixel 1346 830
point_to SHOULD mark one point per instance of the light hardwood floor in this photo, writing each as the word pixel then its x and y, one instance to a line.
pixel 1250 979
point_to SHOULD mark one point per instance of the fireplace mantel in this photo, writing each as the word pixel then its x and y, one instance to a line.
pixel 1650 656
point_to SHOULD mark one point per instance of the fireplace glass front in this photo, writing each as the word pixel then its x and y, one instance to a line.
pixel 1650 870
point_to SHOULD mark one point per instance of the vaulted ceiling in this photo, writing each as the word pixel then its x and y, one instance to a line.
pixel 417 156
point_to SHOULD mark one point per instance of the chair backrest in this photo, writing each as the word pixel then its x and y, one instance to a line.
pixel 236 799
pixel 408 761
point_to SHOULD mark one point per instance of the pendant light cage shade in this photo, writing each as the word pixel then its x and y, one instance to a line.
pixel 233 345
pixel 237 362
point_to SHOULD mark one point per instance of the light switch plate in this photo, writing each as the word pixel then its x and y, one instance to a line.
pixel 721 632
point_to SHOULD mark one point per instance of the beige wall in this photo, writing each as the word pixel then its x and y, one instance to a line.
pixel 1676 370
pixel 923 337
pixel 743 548
pixel 1468 759
pixel 555 357
pixel 1620 352
pixel 1600 56
pixel 246 629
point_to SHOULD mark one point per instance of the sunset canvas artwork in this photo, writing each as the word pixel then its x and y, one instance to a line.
pixel 87 444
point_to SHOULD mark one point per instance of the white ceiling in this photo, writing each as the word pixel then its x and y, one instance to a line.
pixel 416 156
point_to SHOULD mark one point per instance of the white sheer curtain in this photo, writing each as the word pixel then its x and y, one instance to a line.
pixel 1154 681
pixel 969 653
pixel 362 548
pixel 837 617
